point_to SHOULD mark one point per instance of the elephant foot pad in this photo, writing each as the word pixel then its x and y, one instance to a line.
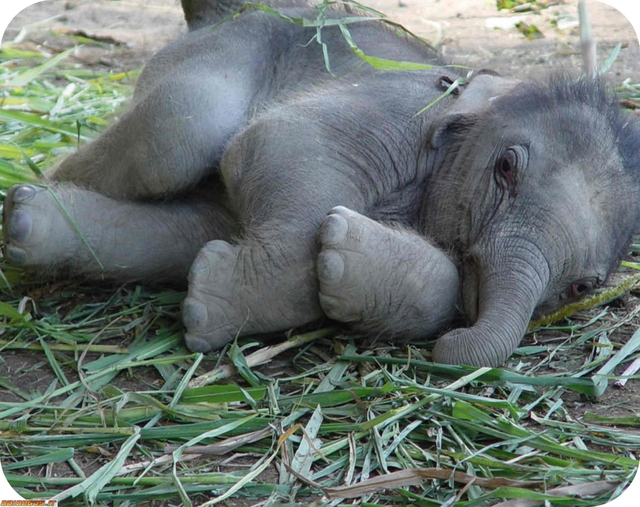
pixel 208 312
pixel 36 232
pixel 351 249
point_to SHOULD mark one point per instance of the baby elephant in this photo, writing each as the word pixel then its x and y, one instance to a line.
pixel 285 184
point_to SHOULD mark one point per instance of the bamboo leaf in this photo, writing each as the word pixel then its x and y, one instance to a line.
pixel 27 76
pixel 610 59
pixel 91 486
pixel 58 456
pixel 382 63
pixel 584 386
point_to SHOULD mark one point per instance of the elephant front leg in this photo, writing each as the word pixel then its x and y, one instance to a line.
pixel 383 280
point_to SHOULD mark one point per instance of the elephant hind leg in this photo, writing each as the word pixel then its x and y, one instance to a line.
pixel 170 139
pixel 387 281
pixel 249 287
pixel 70 230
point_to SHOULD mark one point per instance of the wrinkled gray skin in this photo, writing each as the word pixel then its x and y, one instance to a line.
pixel 299 193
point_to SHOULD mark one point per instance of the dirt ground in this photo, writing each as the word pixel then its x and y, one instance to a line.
pixel 466 30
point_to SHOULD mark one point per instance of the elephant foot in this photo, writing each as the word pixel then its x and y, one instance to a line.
pixel 344 265
pixel 36 231
pixel 383 280
pixel 248 288
pixel 210 315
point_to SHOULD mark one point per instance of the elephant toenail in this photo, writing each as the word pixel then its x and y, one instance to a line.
pixel 194 314
pixel 20 226
pixel 15 255
pixel 199 268
pixel 330 266
pixel 334 230
pixel 23 193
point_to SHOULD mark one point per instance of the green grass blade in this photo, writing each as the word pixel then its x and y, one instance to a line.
pixel 91 486
pixel 29 75
pixel 58 456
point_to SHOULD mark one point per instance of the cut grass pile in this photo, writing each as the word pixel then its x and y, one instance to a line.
pixel 101 403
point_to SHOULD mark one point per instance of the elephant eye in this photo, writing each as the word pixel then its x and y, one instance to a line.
pixel 506 169
pixel 507 165
pixel 582 288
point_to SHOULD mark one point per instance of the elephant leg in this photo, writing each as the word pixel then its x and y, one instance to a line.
pixel 248 288
pixel 72 230
pixel 383 280
pixel 170 139
pixel 265 281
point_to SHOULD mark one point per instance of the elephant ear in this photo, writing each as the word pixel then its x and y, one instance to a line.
pixel 474 100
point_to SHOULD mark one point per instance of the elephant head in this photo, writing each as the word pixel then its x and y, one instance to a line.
pixel 537 190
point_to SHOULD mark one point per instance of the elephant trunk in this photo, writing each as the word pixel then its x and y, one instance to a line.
pixel 506 300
